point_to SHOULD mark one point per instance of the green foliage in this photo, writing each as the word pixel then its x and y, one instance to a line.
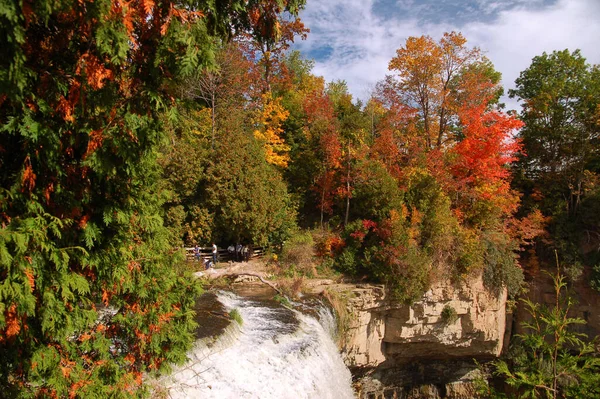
pixel 247 195
pixel 552 360
pixel 430 214
pixel 347 261
pixel 385 252
pixel 298 254
pixel 234 314
pixel 184 160
pixel 90 301
pixel 560 95
pixel 449 315
pixel 501 267
pixel 282 300
pixel 375 192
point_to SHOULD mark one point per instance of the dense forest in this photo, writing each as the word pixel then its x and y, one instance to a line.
pixel 130 130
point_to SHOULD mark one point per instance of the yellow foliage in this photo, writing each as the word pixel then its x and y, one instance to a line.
pixel 270 119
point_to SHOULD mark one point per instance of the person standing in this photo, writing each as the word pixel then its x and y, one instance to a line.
pixel 214 254
pixel 231 252
pixel 197 253
pixel 238 252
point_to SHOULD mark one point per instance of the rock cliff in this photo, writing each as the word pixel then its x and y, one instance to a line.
pixel 397 349
pixel 447 322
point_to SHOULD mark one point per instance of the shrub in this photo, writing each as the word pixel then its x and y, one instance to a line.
pixel 298 254
pixel 501 267
pixel 470 253
pixel 551 360
pixel 346 262
pixel 449 315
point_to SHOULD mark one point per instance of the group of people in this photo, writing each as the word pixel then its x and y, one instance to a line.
pixel 239 252
pixel 208 263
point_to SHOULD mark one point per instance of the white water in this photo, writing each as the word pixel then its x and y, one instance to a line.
pixel 271 356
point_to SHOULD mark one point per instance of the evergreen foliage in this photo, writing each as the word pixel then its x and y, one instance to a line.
pixel 89 297
pixel 246 194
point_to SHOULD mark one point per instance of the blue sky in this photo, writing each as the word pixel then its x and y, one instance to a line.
pixel 354 40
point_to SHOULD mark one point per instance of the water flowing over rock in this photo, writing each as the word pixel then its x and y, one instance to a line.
pixel 275 353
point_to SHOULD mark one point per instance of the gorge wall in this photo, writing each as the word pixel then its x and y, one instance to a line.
pixel 423 350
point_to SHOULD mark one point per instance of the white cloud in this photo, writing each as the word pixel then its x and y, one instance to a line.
pixel 363 43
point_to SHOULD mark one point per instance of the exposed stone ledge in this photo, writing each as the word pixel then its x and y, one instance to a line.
pixel 382 332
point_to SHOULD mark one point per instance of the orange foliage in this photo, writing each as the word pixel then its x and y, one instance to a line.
pixel 330 246
pixel 12 323
pixel 30 278
pixel 74 389
pixel 95 71
pixel 525 230
pixel 105 297
pixel 28 180
pixel 66 366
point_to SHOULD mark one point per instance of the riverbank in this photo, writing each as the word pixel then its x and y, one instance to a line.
pixel 423 350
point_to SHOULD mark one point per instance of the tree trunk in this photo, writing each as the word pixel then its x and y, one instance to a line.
pixel 347 190
pixel 322 205
pixel 442 127
pixel 212 114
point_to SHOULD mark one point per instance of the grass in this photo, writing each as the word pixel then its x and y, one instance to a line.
pixel 234 314
pixel 338 301
pixel 282 300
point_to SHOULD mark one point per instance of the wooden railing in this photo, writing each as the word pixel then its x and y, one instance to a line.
pixel 222 254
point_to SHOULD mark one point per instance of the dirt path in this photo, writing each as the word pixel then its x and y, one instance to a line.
pixel 255 266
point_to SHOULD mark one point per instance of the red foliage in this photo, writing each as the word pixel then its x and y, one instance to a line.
pixel 488 147
pixel 331 245
pixel 479 163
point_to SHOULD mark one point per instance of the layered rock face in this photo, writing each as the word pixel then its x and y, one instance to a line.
pixel 448 322
pixel 423 350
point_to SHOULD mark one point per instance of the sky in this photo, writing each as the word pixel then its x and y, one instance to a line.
pixel 354 40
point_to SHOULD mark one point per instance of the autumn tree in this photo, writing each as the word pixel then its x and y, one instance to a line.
pixel 481 164
pixel 353 130
pixel 436 160
pixel 267 45
pixel 322 128
pixel 270 120
pixel 89 301
pixel 219 86
pixel 428 73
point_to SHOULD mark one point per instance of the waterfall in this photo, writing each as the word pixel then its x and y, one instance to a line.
pixel 276 353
